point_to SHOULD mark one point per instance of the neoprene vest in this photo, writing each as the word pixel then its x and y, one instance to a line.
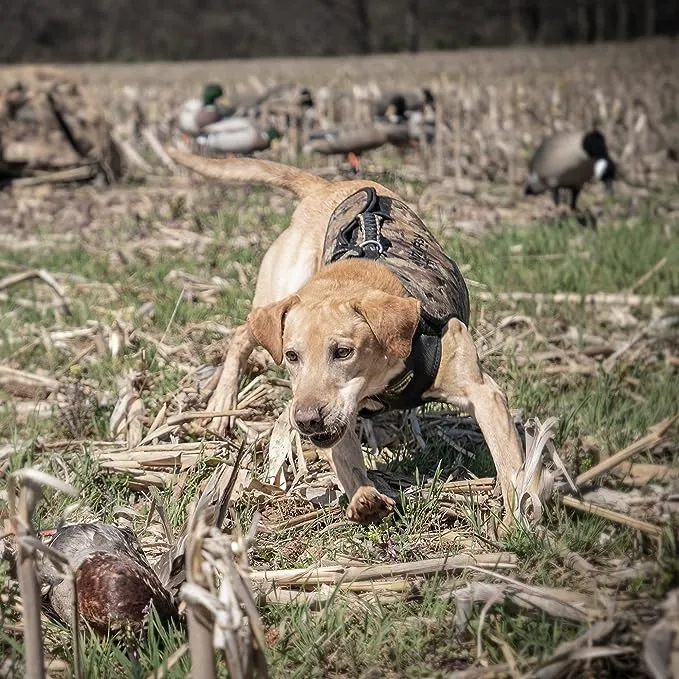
pixel 388 231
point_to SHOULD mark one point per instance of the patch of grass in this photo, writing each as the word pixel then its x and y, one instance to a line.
pixel 567 258
pixel 409 636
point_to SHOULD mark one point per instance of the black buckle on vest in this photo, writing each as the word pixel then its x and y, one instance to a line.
pixel 362 236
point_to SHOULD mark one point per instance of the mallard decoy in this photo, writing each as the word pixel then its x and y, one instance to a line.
pixel 394 128
pixel 116 585
pixel 568 160
pixel 196 114
pixel 285 100
pixel 407 127
pixel 347 141
pixel 236 135
pixel 421 100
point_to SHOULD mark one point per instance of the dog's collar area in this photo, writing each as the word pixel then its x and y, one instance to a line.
pixel 405 390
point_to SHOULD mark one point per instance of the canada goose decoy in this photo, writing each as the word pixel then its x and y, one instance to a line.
pixel 116 585
pixel 568 160
pixel 196 114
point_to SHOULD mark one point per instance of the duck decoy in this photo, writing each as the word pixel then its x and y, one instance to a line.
pixel 414 100
pixel 393 127
pixel 236 135
pixel 116 585
pixel 196 114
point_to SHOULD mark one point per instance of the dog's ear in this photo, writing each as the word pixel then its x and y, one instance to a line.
pixel 393 320
pixel 266 325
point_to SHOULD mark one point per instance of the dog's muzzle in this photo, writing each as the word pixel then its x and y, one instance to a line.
pixel 312 423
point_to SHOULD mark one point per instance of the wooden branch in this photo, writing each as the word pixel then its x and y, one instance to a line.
pixel 41 274
pixel 131 154
pixel 74 174
pixel 340 575
pixel 618 517
pixel 158 149
pixel 597 298
pixel 653 438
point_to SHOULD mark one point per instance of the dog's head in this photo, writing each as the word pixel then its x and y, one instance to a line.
pixel 338 352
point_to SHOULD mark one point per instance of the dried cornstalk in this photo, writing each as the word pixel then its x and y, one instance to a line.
pixel 40 274
pixel 569 654
pixel 559 603
pixel 655 436
pixel 641 474
pixel 489 672
pixel 661 645
pixel 127 418
pixel 598 298
pixel 598 510
pixel 30 483
pixel 26 385
pixel 534 482
pixel 344 576
pixel 221 609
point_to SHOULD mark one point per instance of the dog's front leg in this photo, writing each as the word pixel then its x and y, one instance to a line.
pixel 462 383
pixel 225 395
pixel 366 504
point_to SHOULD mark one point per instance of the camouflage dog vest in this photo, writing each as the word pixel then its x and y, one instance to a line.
pixel 388 231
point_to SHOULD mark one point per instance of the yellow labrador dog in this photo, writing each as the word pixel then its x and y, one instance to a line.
pixel 359 302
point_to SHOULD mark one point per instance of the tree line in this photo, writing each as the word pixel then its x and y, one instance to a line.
pixel 135 30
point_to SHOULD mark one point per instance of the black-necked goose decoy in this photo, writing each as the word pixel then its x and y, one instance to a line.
pixel 568 160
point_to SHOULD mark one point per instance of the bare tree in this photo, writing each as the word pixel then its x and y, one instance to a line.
pixel 623 13
pixel 582 21
pixel 517 30
pixel 363 20
pixel 650 17
pixel 413 26
pixel 535 20
pixel 599 20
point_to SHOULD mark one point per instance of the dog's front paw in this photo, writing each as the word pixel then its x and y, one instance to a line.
pixel 369 506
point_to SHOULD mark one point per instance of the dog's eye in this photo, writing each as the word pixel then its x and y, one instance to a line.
pixel 291 356
pixel 343 353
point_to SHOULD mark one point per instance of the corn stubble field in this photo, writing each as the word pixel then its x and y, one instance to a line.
pixel 106 363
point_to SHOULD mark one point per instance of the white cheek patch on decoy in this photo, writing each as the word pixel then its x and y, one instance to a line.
pixel 535 181
pixel 600 167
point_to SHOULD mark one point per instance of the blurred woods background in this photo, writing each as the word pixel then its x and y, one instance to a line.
pixel 136 30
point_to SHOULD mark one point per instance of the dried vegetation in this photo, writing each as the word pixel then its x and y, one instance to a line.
pixel 115 306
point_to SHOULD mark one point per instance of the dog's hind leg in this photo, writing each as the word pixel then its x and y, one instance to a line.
pixel 462 383
pixel 225 395
pixel 366 503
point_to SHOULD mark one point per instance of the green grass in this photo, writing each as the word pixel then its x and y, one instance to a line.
pixel 570 258
pixel 410 636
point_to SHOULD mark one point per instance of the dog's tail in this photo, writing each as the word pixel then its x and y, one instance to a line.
pixel 252 171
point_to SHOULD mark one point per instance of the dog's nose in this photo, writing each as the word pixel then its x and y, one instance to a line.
pixel 308 418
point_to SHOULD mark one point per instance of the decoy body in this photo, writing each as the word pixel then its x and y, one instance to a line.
pixel 197 114
pixel 416 100
pixel 236 135
pixel 393 127
pixel 116 585
pixel 568 160
pixel 216 128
